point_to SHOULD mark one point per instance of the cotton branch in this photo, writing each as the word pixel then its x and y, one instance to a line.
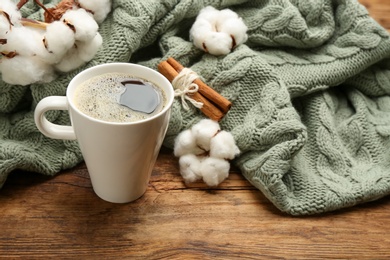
pixel 33 23
pixel 218 32
pixel 34 51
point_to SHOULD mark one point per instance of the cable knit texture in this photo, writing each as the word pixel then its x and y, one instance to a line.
pixel 310 92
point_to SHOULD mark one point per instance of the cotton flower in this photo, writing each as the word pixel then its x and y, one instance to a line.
pixel 87 39
pixel 223 146
pixel 224 15
pixel 203 131
pixel 24 41
pixel 80 54
pixel 214 170
pixel 4 26
pixel 9 16
pixel 190 167
pixel 12 13
pixel 200 28
pixel 209 13
pixel 185 143
pixel 209 163
pixel 59 39
pixel 33 51
pixel 218 32
pixel 87 50
pixel 22 64
pixel 234 27
pixel 85 27
pixel 22 70
pixel 100 8
pixel 217 43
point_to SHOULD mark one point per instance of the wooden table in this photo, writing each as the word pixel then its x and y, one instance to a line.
pixel 61 217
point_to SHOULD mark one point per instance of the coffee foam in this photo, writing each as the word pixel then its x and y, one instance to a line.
pixel 99 97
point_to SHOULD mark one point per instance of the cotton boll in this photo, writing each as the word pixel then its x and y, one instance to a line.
pixel 204 33
pixel 9 16
pixel 89 49
pixel 5 27
pixel 99 8
pixel 21 70
pixel 218 43
pixel 190 167
pixel 6 22
pixel 203 131
pixel 80 54
pixel 185 144
pixel 70 61
pixel 11 9
pixel 209 13
pixel 198 31
pixel 24 40
pixel 214 170
pixel 59 39
pixel 218 32
pixel 223 146
pixel 85 26
pixel 224 15
pixel 236 28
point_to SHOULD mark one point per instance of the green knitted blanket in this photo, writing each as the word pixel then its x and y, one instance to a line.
pixel 310 92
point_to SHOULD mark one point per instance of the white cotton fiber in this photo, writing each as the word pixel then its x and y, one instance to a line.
pixel 190 167
pixel 209 13
pixel 198 32
pixel 224 15
pixel 70 61
pixel 223 146
pixel 80 54
pixel 185 143
pixel 218 31
pixel 7 21
pixel 214 170
pixel 33 54
pixel 11 9
pixel 22 70
pixel 203 131
pixel 236 28
pixel 99 8
pixel 218 43
pixel 59 40
pixel 85 26
pixel 211 163
pixel 4 27
pixel 25 41
pixel 87 50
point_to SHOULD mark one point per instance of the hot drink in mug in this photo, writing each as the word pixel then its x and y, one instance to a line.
pixel 119 114
pixel 119 97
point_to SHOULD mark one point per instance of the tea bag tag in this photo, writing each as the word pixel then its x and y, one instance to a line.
pixel 139 96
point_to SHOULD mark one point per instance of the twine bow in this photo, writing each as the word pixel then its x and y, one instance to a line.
pixel 184 86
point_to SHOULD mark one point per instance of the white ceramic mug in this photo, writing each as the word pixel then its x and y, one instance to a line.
pixel 119 156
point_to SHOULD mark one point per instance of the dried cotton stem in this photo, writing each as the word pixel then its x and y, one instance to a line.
pixel 6 15
pixel 9 55
pixel 33 23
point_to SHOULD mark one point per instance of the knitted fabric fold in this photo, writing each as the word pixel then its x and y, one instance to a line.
pixel 310 92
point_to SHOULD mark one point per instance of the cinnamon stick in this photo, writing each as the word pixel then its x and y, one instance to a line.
pixel 209 93
pixel 208 108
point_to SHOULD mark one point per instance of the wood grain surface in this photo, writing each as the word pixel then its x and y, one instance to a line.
pixel 61 217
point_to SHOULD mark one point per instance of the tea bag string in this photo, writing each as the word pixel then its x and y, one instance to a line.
pixel 184 84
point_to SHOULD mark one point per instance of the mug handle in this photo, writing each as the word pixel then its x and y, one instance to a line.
pixel 45 126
